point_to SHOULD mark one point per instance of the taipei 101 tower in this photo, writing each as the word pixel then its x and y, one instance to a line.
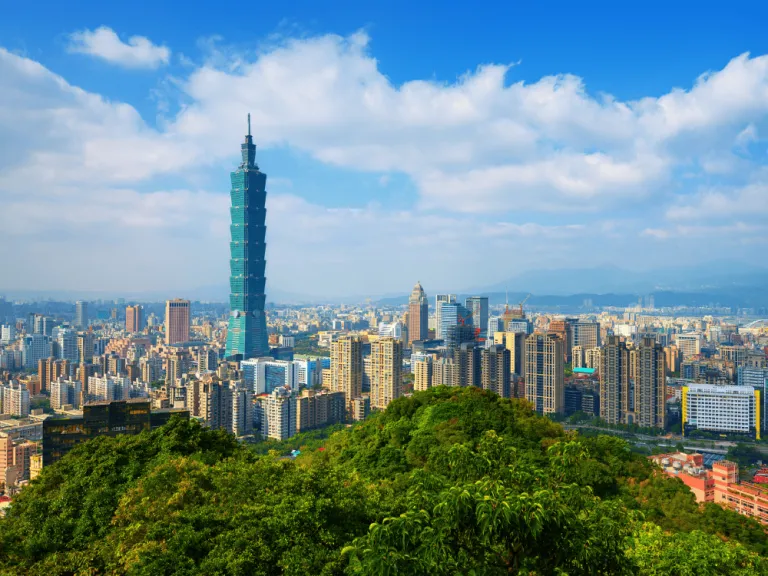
pixel 247 331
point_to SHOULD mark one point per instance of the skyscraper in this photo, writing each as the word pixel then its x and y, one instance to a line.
pixel 176 321
pixel 545 373
pixel 614 381
pixel 650 384
pixel 418 314
pixel 478 308
pixel 387 379
pixel 247 331
pixel 495 370
pixel 81 314
pixel 347 369
pixel 134 318
pixel 439 299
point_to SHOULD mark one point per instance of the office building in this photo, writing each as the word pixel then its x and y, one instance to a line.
pixel 754 377
pixel 386 376
pixel 689 345
pixel 448 316
pixel 422 374
pixel 440 299
pixel 262 375
pixel 458 334
pixel 477 307
pixel 418 315
pixel 318 408
pixel 81 314
pixel 721 409
pixel 247 330
pixel 585 334
pixel 134 318
pixel 67 345
pixel 347 368
pixel 277 413
pixel 545 373
pixel 35 348
pixel 495 370
pixel 650 384
pixel 614 381
pixel 391 330
pixel 61 433
pixel 495 324
pixel 176 321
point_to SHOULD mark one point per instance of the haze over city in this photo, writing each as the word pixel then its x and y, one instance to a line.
pixel 423 150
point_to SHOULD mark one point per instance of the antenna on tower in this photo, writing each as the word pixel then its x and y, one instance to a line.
pixel 249 123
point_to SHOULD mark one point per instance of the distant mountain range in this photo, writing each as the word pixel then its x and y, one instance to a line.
pixel 727 283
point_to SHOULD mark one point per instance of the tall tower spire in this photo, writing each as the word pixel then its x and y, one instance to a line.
pixel 247 331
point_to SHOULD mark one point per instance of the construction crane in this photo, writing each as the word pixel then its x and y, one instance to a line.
pixel 522 315
pixel 462 321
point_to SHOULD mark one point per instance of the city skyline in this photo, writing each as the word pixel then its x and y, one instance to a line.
pixel 546 156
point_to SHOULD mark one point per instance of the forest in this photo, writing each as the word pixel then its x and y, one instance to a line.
pixel 447 481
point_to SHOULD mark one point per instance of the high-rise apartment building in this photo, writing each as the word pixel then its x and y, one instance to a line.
pixel 14 399
pixel 81 314
pixel 347 368
pixel 650 384
pixel 247 330
pixel 67 345
pixel 418 315
pixel 276 413
pixel 108 388
pixel 515 343
pixel 65 392
pixel 176 321
pixel 562 329
pixel 478 310
pixel 495 370
pixel 7 333
pixel 317 408
pixel 242 412
pixel 422 374
pixel 216 404
pixel 134 318
pixel 386 378
pixel 440 299
pixel 444 372
pixel 466 360
pixel 614 381
pixel 545 373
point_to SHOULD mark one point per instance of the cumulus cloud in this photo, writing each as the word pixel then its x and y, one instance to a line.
pixel 541 171
pixel 104 43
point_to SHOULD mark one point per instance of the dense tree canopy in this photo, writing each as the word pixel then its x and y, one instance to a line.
pixel 449 481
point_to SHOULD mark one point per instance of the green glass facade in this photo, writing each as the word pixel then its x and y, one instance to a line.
pixel 60 435
pixel 247 331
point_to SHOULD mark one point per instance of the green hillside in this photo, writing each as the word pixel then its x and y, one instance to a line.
pixel 450 481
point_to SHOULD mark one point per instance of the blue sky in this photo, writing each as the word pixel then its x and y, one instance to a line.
pixel 452 144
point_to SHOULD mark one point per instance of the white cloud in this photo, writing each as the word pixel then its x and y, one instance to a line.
pixel 536 171
pixel 104 43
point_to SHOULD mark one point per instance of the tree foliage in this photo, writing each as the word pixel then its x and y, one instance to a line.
pixel 448 481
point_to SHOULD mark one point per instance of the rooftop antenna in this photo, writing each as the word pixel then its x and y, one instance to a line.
pixel 249 123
